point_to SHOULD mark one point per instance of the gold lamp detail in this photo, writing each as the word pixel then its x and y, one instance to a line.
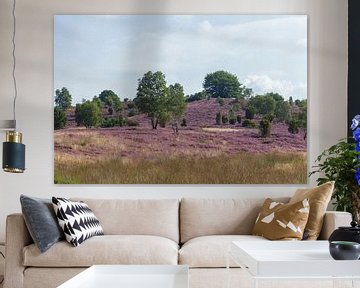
pixel 13 149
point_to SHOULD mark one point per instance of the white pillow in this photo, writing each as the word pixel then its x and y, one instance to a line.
pixel 76 220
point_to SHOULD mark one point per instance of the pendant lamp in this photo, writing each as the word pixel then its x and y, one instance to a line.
pixel 13 160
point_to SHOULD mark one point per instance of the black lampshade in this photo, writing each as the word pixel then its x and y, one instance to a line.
pixel 13 153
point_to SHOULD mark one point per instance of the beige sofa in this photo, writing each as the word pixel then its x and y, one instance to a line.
pixel 194 232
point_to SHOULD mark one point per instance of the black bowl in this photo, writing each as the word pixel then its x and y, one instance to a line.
pixel 344 250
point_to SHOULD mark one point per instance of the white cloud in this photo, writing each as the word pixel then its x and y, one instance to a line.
pixel 205 26
pixel 280 33
pixel 268 51
pixel 262 84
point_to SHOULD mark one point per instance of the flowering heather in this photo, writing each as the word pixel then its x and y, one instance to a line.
pixel 144 142
pixel 201 139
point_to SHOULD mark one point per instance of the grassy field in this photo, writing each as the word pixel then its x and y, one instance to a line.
pixel 242 168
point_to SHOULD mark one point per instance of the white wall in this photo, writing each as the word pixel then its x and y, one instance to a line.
pixel 327 89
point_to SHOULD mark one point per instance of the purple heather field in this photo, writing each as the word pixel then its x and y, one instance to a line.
pixel 202 137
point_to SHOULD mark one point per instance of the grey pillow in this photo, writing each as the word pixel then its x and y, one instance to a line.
pixel 41 221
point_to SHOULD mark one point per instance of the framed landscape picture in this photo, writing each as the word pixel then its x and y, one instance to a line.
pixel 180 99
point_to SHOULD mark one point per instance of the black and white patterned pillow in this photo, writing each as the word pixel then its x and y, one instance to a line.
pixel 77 220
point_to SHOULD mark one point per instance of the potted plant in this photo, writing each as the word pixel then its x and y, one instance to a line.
pixel 341 163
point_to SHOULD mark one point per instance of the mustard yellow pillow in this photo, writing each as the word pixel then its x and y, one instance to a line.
pixel 319 198
pixel 279 221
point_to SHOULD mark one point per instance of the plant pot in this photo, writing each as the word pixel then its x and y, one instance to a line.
pixel 343 250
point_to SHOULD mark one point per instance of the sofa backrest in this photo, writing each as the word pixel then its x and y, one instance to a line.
pixel 159 217
pixel 200 217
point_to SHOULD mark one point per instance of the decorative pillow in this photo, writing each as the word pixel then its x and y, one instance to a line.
pixel 279 221
pixel 319 198
pixel 77 220
pixel 41 222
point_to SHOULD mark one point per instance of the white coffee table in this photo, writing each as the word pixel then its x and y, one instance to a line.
pixel 131 276
pixel 292 260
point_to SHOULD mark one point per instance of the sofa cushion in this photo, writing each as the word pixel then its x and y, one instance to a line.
pixel 41 221
pixel 279 221
pixel 77 220
pixel 107 249
pixel 158 217
pixel 319 198
pixel 200 217
pixel 211 251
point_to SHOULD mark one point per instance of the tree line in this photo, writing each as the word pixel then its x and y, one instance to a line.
pixel 164 103
pixel 269 107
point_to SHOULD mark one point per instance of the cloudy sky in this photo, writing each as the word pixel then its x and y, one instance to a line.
pixel 268 53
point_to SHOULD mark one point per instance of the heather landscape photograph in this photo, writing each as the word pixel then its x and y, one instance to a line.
pixel 180 99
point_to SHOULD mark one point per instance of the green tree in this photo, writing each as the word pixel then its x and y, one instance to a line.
pixel 176 104
pixel 247 93
pixel 277 97
pixel 63 98
pixel 151 96
pixel 159 102
pixel 132 112
pixel 224 119
pixel 88 114
pixel 218 118
pixel 121 120
pixel 248 124
pixel 293 126
pixel 282 111
pixel 196 97
pixel 302 117
pixel 109 122
pixel 291 101
pixel 232 118
pixel 164 117
pixel 302 103
pixel 132 122
pixel 270 117
pixel 97 101
pixel 250 112
pixel 183 122
pixel 263 104
pixel 223 84
pixel 59 118
pixel 238 119
pixel 265 128
pixel 77 114
pixel 130 104
pixel 110 99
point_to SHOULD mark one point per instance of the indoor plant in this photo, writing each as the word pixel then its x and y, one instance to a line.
pixel 341 163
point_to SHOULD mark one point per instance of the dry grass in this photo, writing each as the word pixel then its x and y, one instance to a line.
pixel 212 129
pixel 84 141
pixel 242 168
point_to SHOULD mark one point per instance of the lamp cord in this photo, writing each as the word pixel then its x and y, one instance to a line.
pixel 14 60
pixel 2 280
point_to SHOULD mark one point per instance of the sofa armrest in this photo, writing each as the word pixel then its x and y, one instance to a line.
pixel 333 220
pixel 17 237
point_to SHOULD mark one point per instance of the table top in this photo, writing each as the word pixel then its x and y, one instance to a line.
pixel 131 276
pixel 291 259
